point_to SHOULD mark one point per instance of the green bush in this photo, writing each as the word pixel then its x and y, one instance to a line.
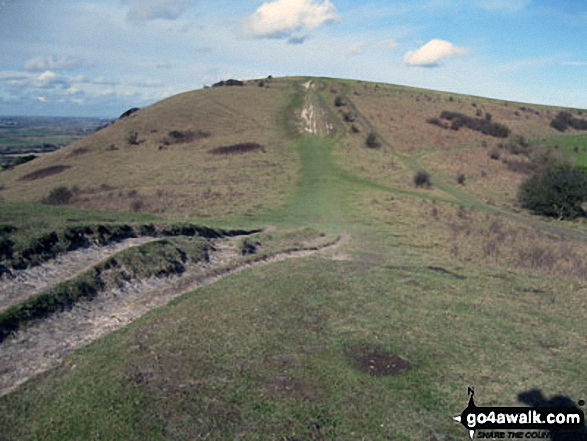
pixel 558 191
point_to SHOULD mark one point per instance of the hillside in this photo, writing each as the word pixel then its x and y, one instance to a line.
pixel 338 300
pixel 176 165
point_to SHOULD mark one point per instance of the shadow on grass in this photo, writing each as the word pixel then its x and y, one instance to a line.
pixel 535 398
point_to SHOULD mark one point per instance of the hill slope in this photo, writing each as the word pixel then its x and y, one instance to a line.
pixel 436 289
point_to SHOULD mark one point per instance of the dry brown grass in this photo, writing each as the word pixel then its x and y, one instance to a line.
pixel 464 236
pixel 180 178
pixel 398 113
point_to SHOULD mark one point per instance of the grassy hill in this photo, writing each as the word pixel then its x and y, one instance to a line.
pixel 436 289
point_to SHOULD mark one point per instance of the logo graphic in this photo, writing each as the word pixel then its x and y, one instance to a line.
pixel 521 418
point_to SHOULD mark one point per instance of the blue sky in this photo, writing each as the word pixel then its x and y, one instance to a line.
pixel 99 58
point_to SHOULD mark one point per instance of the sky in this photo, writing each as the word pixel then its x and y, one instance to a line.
pixel 99 58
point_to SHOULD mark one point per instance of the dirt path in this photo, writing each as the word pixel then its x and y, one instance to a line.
pixel 27 283
pixel 309 116
pixel 45 345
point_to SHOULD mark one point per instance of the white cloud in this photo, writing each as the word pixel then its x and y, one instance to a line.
pixel 40 64
pixel 357 48
pixel 147 10
pixel 149 83
pixel 291 19
pixel 433 52
pixel 389 45
pixel 42 99
pixel 49 80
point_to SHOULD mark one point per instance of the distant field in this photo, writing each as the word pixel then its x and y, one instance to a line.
pixel 24 135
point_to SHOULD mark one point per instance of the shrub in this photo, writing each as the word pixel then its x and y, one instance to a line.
pixel 494 154
pixel 339 101
pixel 461 178
pixel 59 196
pixel 479 112
pixel 422 179
pixel 564 120
pixel 354 129
pixel 371 140
pixel 437 122
pixel 133 138
pixel 484 126
pixel 558 190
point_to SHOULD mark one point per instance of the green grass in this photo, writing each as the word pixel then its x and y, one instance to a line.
pixel 574 146
pixel 264 353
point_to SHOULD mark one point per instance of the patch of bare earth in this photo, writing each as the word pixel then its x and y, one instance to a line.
pixel 45 345
pixel 374 361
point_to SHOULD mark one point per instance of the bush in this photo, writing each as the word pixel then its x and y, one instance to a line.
pixel 564 120
pixel 59 196
pixel 461 178
pixel 133 138
pixel 558 190
pixel 494 154
pixel 422 179
pixel 437 122
pixel 339 101
pixel 483 125
pixel 372 141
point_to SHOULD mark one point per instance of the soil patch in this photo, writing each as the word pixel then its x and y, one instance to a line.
pixel 44 172
pixel 237 149
pixel 374 361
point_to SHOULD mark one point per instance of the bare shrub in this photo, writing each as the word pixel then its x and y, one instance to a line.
pixel 238 149
pixel 59 196
pixel 44 172
pixel 422 179
pixel 372 141
pixel 133 138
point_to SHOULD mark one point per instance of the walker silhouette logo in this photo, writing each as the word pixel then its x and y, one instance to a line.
pixel 510 418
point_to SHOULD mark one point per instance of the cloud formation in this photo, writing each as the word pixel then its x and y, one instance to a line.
pixel 147 10
pixel 43 63
pixel 389 45
pixel 289 19
pixel 433 52
pixel 357 48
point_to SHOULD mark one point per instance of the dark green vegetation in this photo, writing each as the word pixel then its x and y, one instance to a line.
pixel 565 120
pixel 436 289
pixel 557 190
pixel 483 125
